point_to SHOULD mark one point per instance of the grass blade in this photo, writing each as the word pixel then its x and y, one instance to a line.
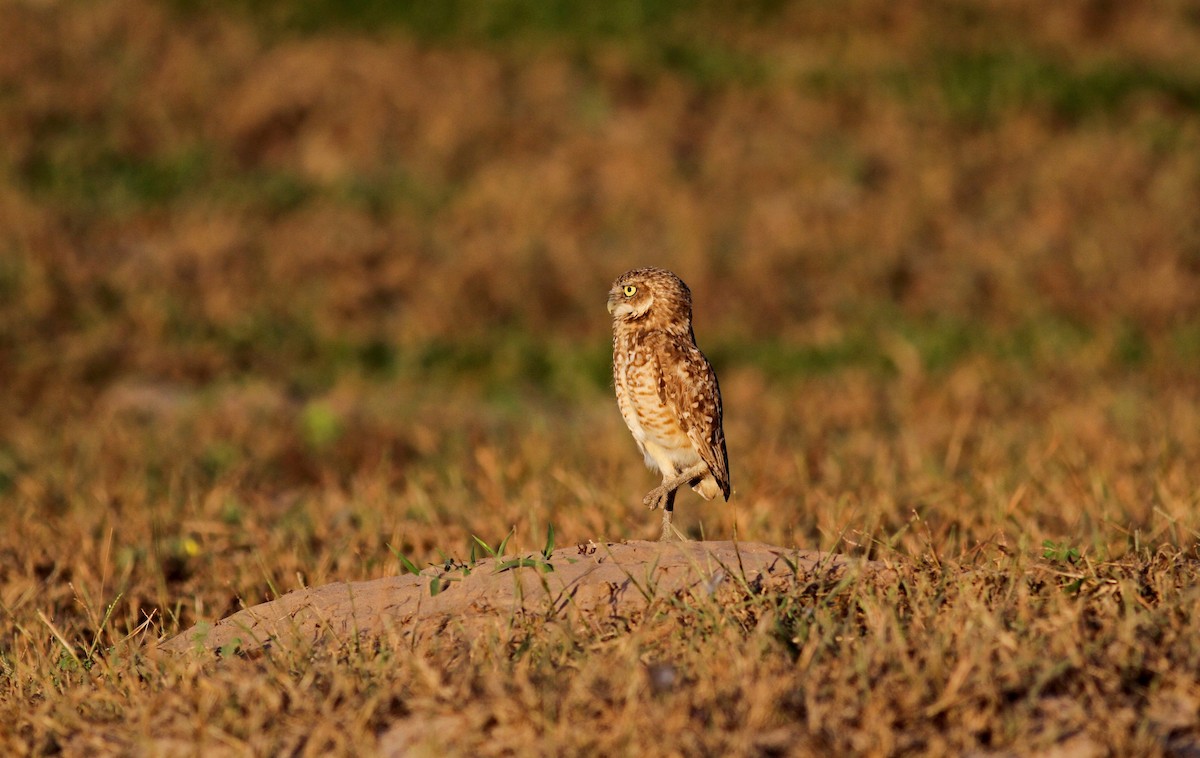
pixel 486 548
pixel 500 550
pixel 408 565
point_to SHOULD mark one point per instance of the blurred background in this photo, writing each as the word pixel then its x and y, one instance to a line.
pixel 285 284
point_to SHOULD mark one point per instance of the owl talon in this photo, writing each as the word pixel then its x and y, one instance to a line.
pixel 655 498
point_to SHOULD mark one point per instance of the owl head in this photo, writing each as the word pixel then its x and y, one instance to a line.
pixel 653 297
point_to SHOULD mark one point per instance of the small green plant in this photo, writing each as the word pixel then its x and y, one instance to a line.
pixel 542 563
pixel 1059 551
pixel 450 565
pixel 524 563
pixel 499 551
pixel 231 648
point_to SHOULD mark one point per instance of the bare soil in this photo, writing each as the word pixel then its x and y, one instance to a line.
pixel 588 583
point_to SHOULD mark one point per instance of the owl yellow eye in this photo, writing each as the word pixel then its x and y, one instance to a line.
pixel 630 290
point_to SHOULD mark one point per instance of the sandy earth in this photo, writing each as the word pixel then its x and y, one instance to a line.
pixel 594 582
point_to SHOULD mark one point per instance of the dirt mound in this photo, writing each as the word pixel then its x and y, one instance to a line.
pixel 606 581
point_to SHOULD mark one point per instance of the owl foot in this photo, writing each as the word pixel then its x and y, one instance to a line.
pixel 659 497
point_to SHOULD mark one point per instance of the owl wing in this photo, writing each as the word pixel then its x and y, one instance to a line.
pixel 687 386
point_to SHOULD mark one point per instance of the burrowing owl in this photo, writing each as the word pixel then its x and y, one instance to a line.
pixel 666 389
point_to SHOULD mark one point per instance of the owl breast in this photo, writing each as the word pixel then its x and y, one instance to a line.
pixel 638 379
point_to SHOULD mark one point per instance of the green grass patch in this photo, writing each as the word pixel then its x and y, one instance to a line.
pixel 781 360
pixel 711 65
pixel 977 87
pixel 486 19
pixel 84 173
pixel 663 35
pixel 95 180
pixel 1185 342
pixel 1132 348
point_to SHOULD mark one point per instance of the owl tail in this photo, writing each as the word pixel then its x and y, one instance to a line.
pixel 707 487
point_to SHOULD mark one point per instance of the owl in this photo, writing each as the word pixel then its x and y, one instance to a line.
pixel 666 389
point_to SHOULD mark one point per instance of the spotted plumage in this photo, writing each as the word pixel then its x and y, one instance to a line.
pixel 666 389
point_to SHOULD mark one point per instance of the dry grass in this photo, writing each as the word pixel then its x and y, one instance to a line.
pixel 273 300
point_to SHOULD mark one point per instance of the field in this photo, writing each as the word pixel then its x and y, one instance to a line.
pixel 290 291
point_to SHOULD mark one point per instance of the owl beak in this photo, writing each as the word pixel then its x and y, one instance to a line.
pixel 611 305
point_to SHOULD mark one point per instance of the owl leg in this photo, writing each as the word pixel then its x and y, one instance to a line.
pixel 658 497
pixel 668 532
